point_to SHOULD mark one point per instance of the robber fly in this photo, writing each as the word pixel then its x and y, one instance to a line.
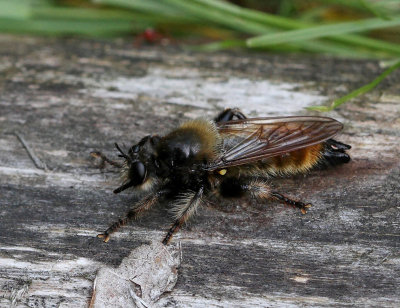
pixel 231 156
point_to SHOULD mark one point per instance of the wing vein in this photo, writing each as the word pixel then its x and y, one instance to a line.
pixel 249 140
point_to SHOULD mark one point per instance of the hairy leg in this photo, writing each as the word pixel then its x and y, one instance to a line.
pixel 259 189
pixel 184 211
pixel 296 204
pixel 141 206
pixel 229 115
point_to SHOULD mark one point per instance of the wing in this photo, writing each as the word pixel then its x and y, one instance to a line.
pixel 249 140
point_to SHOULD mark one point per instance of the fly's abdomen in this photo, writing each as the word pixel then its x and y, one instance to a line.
pixel 328 153
pixel 296 161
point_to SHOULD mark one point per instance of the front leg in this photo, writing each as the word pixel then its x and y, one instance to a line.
pixel 238 187
pixel 104 159
pixel 184 211
pixel 141 206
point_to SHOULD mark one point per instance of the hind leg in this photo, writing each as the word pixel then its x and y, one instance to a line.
pixel 229 115
pixel 334 152
pixel 234 187
pixel 338 145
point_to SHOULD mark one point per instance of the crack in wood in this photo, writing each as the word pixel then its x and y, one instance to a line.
pixel 35 159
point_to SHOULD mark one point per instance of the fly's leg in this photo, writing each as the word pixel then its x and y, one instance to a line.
pixel 340 146
pixel 143 205
pixel 334 153
pixel 233 187
pixel 296 204
pixel 229 115
pixel 184 211
pixel 104 159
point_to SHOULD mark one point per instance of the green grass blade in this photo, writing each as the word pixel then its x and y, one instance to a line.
pixel 252 15
pixel 67 27
pixel 180 16
pixel 376 11
pixel 322 31
pixel 218 17
pixel 95 14
pixel 216 12
pixel 367 42
pixel 15 9
pixel 279 22
pixel 364 89
pixel 221 45
pixel 376 7
pixel 147 6
pixel 87 14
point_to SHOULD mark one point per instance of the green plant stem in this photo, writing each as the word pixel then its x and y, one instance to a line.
pixel 360 91
pixel 322 31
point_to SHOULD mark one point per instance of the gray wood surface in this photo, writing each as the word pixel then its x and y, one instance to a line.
pixel 61 99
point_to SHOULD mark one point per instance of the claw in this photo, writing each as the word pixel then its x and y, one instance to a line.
pixel 305 207
pixel 100 156
pixel 104 236
pixel 95 154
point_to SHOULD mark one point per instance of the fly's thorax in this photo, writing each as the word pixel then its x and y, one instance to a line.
pixel 193 142
pixel 181 157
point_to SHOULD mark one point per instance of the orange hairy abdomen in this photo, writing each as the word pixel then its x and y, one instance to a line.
pixel 296 161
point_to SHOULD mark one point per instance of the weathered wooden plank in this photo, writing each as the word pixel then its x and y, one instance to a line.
pixel 66 98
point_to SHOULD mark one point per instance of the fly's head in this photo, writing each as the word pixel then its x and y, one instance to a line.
pixel 139 170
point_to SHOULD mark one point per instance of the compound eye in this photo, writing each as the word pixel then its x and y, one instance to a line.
pixel 137 173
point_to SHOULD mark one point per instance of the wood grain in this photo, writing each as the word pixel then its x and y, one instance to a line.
pixel 62 99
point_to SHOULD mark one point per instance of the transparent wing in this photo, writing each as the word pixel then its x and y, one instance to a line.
pixel 250 140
